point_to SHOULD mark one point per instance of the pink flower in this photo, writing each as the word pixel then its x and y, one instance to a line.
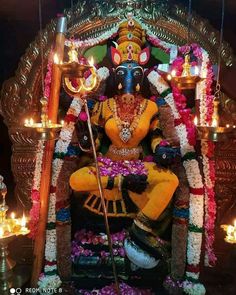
pixel 184 49
pixel 35 195
pixel 83 116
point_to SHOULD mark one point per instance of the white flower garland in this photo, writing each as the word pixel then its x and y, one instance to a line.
pixel 196 204
pixel 38 165
pixel 51 236
pixel 93 41
pixel 210 205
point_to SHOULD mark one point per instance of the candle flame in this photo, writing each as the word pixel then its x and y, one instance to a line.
pixel 214 123
pixel 195 121
pixel 26 122
pixel 56 59
pixel 227 125
pixel 13 215
pixel 31 121
pixel 62 122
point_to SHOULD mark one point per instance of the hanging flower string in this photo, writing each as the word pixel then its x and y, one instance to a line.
pixel 50 278
pixel 35 196
pixel 196 205
pixel 207 151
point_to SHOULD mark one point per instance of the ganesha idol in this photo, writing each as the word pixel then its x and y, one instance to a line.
pixel 128 119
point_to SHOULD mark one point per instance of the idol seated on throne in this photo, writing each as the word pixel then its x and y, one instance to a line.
pixel 128 119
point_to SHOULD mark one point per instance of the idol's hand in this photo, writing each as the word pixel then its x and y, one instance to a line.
pixel 135 183
pixel 165 155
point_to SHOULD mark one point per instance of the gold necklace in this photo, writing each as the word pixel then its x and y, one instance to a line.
pixel 127 128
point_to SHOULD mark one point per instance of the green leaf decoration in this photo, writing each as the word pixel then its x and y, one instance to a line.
pixel 160 55
pixel 98 52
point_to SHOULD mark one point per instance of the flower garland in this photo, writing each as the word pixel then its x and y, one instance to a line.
pixel 152 38
pixel 207 150
pixel 210 204
pixel 196 187
pixel 93 41
pixel 50 275
pixel 35 196
pixel 50 269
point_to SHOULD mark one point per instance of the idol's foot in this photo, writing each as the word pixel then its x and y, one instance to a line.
pixel 138 256
pixel 149 243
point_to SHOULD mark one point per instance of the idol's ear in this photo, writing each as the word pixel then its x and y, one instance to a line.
pixel 116 56
pixel 144 56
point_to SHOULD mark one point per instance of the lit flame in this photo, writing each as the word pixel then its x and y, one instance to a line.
pixel 56 59
pixel 195 121
pixel 1 232
pixel 62 122
pixel 31 121
pixel 173 73
pixel 169 77
pixel 13 215
pixel 214 123
pixel 231 232
pixel 227 125
pixel 23 221
pixel 91 61
pixel 26 122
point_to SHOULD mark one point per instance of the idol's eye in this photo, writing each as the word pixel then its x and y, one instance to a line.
pixel 120 72
pixel 137 73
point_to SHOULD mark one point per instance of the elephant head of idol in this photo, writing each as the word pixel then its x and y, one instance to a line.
pixel 129 59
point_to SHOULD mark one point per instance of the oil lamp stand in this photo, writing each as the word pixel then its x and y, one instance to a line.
pixel 6 264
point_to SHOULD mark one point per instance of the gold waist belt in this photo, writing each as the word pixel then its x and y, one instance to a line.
pixel 125 151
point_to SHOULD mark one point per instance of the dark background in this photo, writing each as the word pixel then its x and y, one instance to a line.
pixel 19 25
